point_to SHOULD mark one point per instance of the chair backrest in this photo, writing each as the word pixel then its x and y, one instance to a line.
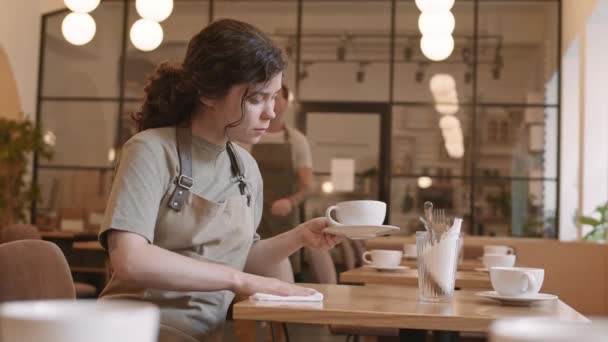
pixel 322 265
pixel 348 254
pixel 34 269
pixel 16 232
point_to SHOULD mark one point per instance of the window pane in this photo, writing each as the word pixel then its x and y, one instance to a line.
pixel 419 144
pixel 277 18
pixel 73 189
pixel 518 42
pixel 187 19
pixel 516 142
pixel 506 207
pixel 90 70
pixel 408 195
pixel 413 71
pixel 84 132
pixel 345 49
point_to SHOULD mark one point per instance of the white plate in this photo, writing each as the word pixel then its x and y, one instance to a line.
pixel 361 232
pixel 386 268
pixel 482 269
pixel 520 300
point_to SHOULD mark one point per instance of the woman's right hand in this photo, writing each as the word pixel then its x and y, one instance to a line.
pixel 248 284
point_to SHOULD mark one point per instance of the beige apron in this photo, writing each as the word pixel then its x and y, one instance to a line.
pixel 204 230
pixel 280 181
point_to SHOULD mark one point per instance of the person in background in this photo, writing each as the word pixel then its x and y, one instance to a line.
pixel 285 162
pixel 180 223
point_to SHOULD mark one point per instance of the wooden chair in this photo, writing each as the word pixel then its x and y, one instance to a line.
pixel 16 232
pixel 34 269
pixel 25 232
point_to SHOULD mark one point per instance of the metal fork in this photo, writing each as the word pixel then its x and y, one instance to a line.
pixel 441 223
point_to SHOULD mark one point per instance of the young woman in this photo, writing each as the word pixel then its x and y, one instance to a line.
pixel 185 203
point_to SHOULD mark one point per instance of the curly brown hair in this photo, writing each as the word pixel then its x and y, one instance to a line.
pixel 225 53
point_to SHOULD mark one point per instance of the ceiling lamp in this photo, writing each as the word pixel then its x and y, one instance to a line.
pixel 437 47
pixel 155 10
pixel 434 5
pixel 78 28
pixel 447 108
pixel 436 23
pixel 424 182
pixel 449 122
pixel 442 83
pixel 146 35
pixel 81 6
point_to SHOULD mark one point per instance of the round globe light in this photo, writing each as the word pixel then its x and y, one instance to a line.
pixel 442 83
pixel 424 182
pixel 434 5
pixel 78 28
pixel 81 6
pixel 436 23
pixel 447 108
pixel 146 35
pixel 449 122
pixel 437 47
pixel 156 10
pixel 327 187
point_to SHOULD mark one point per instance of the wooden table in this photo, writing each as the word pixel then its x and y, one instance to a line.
pixel 464 265
pixel 397 307
pixel 88 246
pixel 409 277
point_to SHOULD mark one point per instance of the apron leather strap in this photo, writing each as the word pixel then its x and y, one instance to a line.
pixel 237 171
pixel 184 181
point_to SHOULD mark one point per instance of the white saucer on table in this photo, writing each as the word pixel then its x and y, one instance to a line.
pixel 517 300
pixel 361 232
pixel 386 268
pixel 482 269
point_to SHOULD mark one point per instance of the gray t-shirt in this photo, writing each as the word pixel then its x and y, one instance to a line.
pixel 149 163
pixel 214 225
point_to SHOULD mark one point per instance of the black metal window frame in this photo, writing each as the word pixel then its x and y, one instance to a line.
pixel 386 130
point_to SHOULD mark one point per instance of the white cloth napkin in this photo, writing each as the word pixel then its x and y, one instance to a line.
pixel 315 297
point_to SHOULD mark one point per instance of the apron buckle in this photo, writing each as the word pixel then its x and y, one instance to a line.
pixel 185 182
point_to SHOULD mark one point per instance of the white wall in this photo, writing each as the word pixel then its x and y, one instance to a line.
pixel 20 39
pixel 584 159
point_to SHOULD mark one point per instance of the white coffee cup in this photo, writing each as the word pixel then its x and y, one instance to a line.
pixel 383 257
pixel 77 321
pixel 359 213
pixel 410 250
pixel 536 329
pixel 516 281
pixel 498 260
pixel 497 249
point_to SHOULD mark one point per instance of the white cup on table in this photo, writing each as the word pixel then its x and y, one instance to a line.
pixel 383 257
pixel 497 249
pixel 79 320
pixel 498 260
pixel 516 281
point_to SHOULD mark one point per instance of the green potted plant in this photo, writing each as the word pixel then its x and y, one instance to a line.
pixel 18 139
pixel 599 226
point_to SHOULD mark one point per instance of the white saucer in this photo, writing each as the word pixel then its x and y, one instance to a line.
pixel 482 269
pixel 520 300
pixel 386 268
pixel 360 232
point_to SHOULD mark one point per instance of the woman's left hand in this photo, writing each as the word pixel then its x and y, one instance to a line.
pixel 311 234
pixel 281 207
